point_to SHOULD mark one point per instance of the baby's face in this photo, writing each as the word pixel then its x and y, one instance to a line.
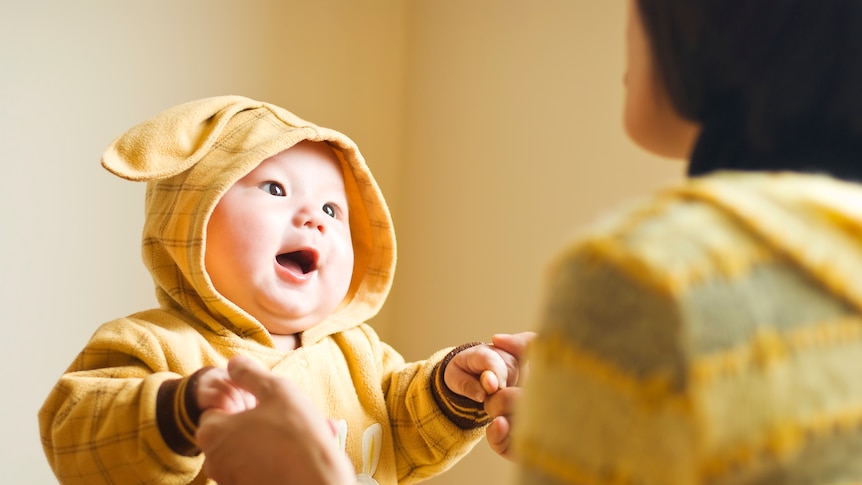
pixel 278 243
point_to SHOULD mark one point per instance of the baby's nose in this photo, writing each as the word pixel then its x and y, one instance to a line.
pixel 311 218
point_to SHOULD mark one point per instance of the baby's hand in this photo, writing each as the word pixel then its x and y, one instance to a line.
pixel 482 370
pixel 215 390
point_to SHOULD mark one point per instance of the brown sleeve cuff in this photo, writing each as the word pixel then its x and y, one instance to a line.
pixel 463 411
pixel 177 413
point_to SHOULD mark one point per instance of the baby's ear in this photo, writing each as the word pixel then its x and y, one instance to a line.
pixel 173 140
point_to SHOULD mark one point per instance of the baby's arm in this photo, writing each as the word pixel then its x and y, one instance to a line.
pixel 103 420
pixel 181 402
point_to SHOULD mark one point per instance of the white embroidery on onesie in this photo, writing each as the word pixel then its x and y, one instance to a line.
pixel 372 441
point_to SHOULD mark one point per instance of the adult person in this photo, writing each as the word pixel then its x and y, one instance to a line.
pixel 713 334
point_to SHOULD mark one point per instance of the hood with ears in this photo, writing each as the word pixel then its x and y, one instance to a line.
pixel 190 155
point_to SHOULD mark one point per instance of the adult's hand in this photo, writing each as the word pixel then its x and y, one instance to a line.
pixel 284 440
pixel 500 405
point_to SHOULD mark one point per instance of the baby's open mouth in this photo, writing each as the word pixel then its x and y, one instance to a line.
pixel 304 260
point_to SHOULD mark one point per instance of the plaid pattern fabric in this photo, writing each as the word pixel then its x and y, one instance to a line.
pixel 710 336
pixel 99 424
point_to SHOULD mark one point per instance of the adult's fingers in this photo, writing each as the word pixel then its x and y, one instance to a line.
pixel 515 344
pixel 209 433
pixel 251 375
pixel 502 402
pixel 497 434
pixel 499 406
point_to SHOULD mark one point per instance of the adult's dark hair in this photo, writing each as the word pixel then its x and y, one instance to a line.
pixel 776 84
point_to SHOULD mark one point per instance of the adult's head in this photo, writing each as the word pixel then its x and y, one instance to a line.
pixel 773 83
pixel 651 118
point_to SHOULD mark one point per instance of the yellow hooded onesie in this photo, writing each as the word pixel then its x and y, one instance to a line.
pixel 120 413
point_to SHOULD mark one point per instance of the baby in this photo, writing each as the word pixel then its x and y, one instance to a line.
pixel 266 236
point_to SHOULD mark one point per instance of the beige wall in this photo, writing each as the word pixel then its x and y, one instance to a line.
pixel 492 126
pixel 513 143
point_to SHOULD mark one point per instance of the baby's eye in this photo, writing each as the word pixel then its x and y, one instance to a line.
pixel 273 188
pixel 329 209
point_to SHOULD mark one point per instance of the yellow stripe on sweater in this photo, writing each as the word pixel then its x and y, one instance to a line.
pixel 646 391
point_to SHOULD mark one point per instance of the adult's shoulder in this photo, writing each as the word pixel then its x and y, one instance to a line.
pixel 667 240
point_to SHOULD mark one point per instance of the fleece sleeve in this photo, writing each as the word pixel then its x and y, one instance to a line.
pixel 99 423
pixel 433 428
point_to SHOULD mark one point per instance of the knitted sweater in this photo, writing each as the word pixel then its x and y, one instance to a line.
pixel 123 412
pixel 712 335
